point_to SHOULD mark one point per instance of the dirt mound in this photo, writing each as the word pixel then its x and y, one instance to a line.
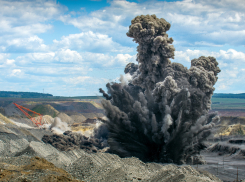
pixel 75 107
pixel 18 145
pixel 46 109
pixel 90 115
pixel 102 167
pixel 70 141
pixel 110 167
pixel 47 119
pixel 78 118
pixel 36 169
pixel 65 118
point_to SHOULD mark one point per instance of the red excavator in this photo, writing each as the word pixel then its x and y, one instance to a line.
pixel 36 120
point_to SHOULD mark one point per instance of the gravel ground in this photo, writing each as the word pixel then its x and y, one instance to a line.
pixel 224 167
pixel 28 169
pixel 19 145
pixel 110 167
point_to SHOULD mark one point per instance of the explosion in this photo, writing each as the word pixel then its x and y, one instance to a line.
pixel 161 114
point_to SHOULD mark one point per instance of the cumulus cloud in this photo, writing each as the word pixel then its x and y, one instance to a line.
pixel 25 13
pixel 8 63
pixel 76 80
pixel 91 42
pixel 60 55
pixel 232 55
pixel 3 57
pixel 33 43
pixel 85 79
pixel 15 72
pixel 194 24
pixel 188 55
pixel 204 18
pixel 231 62
pixel 67 55
pixel 107 60
pixel 20 22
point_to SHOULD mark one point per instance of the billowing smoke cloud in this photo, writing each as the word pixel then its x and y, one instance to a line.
pixel 57 126
pixel 70 141
pixel 64 139
pixel 162 113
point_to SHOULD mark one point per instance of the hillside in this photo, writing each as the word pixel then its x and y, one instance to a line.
pixel 46 109
pixel 24 157
pixel 24 94
pixel 229 95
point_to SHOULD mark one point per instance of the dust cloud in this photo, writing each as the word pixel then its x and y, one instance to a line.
pixel 161 113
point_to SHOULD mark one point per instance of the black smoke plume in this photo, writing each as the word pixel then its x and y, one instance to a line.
pixel 162 113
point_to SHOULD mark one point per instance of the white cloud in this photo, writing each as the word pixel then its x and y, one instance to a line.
pixel 188 55
pixel 57 70
pixel 106 60
pixel 3 57
pixel 207 44
pixel 8 63
pixel 32 43
pixel 81 80
pixel 15 72
pixel 103 43
pixel 231 63
pixel 20 21
pixel 90 41
pixel 232 55
pixel 61 55
pixel 67 55
pixel 30 11
pixel 212 23
pixel 76 80
pixel 124 59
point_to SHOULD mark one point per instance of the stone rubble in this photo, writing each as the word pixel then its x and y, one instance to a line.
pixel 21 146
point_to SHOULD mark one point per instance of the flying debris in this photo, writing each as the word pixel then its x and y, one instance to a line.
pixel 162 114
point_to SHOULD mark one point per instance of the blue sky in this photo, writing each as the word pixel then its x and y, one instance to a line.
pixel 74 47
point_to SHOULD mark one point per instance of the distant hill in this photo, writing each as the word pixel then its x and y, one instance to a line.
pixel 237 96
pixel 11 94
pixel 24 94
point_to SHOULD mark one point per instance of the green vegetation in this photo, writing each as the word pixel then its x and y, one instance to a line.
pixel 45 110
pixel 79 97
pixel 228 100
pixel 240 130
pixel 24 94
pixel 228 103
pixel 221 95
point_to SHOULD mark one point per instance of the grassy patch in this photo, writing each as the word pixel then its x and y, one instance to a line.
pixel 46 110
pixel 5 119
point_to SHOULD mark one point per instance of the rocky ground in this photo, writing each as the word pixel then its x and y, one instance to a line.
pixel 225 167
pixel 24 157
